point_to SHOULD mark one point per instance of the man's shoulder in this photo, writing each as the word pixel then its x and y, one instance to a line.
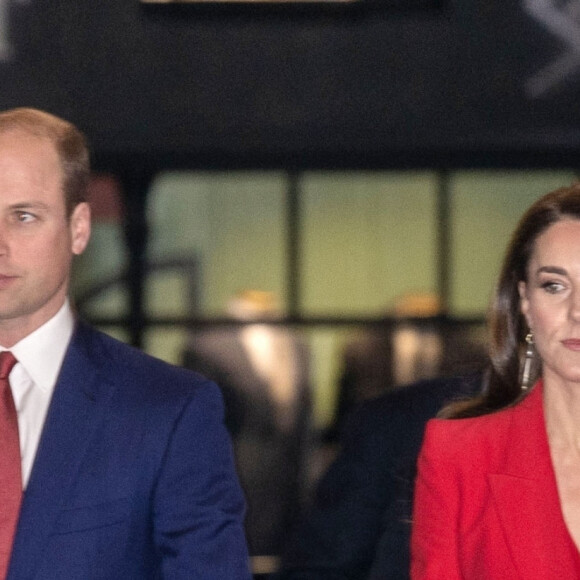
pixel 123 363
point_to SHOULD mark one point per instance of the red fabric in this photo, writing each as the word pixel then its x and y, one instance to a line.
pixel 486 501
pixel 10 464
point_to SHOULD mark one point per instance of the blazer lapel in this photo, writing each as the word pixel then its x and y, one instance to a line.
pixel 526 496
pixel 76 409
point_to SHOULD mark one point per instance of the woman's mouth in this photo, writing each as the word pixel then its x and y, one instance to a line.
pixel 572 343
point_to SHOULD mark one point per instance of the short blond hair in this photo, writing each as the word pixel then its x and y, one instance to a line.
pixel 70 144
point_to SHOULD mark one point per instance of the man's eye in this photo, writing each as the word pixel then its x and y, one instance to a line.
pixel 24 216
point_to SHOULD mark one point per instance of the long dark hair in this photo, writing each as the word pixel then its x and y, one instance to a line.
pixel 507 326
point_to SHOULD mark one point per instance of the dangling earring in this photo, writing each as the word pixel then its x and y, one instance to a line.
pixel 527 371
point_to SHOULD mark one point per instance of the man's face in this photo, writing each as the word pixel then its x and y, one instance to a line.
pixel 37 240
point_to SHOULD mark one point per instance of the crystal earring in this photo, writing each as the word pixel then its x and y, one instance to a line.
pixel 529 357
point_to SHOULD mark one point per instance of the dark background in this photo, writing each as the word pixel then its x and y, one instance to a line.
pixel 376 84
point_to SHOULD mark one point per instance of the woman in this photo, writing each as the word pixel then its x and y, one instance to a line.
pixel 498 487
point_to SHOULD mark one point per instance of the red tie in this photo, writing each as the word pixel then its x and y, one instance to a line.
pixel 10 464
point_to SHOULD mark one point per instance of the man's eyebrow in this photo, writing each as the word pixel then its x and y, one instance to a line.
pixel 29 205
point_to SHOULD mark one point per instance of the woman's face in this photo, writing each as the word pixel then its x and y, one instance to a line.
pixel 550 300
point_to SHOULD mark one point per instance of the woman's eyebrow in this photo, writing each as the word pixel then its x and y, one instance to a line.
pixel 552 270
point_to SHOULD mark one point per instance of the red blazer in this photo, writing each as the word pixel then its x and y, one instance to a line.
pixel 486 502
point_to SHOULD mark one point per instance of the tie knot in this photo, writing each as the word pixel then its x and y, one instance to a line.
pixel 7 362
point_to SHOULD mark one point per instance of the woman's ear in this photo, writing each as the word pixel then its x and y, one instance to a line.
pixel 524 301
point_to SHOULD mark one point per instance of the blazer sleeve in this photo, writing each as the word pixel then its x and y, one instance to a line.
pixel 198 506
pixel 434 537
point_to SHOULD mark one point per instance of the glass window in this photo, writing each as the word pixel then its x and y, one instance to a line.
pixel 212 236
pixel 367 239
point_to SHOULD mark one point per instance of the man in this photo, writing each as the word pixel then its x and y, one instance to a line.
pixel 359 524
pixel 125 463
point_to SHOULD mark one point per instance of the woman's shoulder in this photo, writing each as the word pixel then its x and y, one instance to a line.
pixel 456 437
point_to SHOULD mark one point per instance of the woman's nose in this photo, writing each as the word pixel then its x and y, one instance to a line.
pixel 575 305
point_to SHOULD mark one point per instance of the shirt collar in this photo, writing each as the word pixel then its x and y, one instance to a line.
pixel 41 353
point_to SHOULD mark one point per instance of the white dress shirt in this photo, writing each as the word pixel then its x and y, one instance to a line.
pixel 33 379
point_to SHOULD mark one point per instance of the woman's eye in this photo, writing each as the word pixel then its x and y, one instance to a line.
pixel 552 287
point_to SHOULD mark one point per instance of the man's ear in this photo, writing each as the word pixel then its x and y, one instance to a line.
pixel 80 227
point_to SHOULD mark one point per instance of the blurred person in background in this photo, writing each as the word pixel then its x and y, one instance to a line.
pixel 358 525
pixel 263 369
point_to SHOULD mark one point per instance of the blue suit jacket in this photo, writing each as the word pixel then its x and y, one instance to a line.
pixel 133 477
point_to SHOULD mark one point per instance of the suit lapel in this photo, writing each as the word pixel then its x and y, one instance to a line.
pixel 527 499
pixel 76 409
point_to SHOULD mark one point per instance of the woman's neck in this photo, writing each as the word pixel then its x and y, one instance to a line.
pixel 562 413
